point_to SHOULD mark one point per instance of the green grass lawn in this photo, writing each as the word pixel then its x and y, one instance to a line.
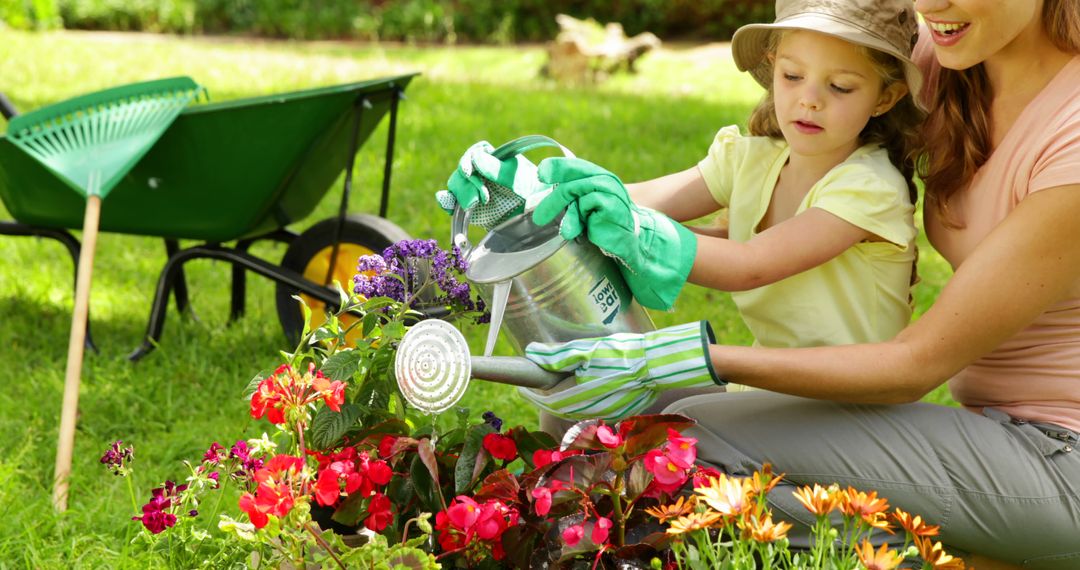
pixel 188 393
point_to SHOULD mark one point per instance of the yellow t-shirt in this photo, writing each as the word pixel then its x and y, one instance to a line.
pixel 861 295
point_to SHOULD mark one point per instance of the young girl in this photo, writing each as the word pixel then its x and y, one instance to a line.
pixel 819 249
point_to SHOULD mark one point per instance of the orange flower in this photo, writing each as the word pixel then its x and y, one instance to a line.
pixel 729 496
pixel 818 500
pixel 934 554
pixel 883 559
pixel 692 522
pixel 866 506
pixel 763 481
pixel 763 529
pixel 679 508
pixel 914 525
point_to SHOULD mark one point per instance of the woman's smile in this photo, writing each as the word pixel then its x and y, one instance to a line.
pixel 947 33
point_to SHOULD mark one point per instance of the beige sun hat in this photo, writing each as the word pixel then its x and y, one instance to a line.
pixel 889 26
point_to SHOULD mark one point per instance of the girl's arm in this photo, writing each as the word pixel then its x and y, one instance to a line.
pixel 1028 262
pixel 682 196
pixel 792 246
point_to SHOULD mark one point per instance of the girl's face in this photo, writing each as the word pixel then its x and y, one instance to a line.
pixel 968 32
pixel 825 90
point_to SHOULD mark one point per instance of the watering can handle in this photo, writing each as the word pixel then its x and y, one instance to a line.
pixel 459 224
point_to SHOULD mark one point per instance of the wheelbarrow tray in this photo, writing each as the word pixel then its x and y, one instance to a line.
pixel 221 172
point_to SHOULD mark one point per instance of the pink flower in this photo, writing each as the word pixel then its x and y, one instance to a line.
pixel 543 500
pixel 600 530
pixel 682 451
pixel 491 523
pixel 463 512
pixel 608 437
pixel 573 534
pixel 665 471
pixel 500 446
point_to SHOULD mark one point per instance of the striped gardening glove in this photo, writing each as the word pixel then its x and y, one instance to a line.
pixel 655 252
pixel 494 189
pixel 620 375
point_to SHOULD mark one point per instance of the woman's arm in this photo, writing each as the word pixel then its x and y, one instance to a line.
pixel 790 247
pixel 1028 262
pixel 682 196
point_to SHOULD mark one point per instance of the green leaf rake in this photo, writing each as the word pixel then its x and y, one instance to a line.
pixel 91 142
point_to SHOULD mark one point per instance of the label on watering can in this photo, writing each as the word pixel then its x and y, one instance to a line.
pixel 606 299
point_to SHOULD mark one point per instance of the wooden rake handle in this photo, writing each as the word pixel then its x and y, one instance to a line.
pixel 76 343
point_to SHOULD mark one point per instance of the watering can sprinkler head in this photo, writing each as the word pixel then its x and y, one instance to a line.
pixel 433 367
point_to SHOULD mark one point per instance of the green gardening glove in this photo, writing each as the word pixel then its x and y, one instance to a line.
pixel 494 189
pixel 656 253
pixel 620 375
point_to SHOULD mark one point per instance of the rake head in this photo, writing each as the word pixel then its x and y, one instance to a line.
pixel 92 141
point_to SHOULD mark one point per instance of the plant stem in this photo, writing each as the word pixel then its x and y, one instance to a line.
pixel 616 501
pixel 303 453
pixel 131 493
pixel 322 542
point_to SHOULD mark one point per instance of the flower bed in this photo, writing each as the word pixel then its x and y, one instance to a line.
pixel 351 477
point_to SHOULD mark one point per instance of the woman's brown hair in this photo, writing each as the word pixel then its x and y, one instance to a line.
pixel 898 130
pixel 958 132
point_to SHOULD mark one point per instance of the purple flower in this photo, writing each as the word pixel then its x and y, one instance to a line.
pixel 214 454
pixel 116 459
pixel 418 269
pixel 494 421
pixel 156 521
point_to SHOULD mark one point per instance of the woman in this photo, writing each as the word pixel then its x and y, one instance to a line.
pixel 1002 173
pixel 1003 197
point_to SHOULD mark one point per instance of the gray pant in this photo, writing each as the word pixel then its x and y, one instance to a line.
pixel 999 489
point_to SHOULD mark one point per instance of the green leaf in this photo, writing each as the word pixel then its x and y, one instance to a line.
pixel 342 365
pixel 422 483
pixel 351 511
pixel 329 427
pixel 472 453
pixel 253 384
pixel 369 322
pixel 528 442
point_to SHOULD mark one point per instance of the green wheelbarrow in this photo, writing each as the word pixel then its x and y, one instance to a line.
pixel 233 172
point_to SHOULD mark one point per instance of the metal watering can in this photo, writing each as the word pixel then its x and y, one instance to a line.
pixel 539 287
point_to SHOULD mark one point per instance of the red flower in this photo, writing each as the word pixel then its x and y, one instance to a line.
pixel 247 504
pixel 327 489
pixel 274 494
pixel 544 457
pixel 386 446
pixel 285 392
pixel 379 513
pixel 500 446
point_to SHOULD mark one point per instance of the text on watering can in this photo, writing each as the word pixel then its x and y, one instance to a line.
pixel 606 299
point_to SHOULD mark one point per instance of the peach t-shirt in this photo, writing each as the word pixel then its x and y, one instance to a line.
pixel 1034 375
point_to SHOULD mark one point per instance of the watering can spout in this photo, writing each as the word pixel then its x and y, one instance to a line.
pixel 516 371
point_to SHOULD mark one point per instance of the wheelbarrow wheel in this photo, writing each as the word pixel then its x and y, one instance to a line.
pixel 309 254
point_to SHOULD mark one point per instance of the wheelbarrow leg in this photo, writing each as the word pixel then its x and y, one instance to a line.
pixel 239 274
pixel 168 276
pixel 69 242
pixel 180 290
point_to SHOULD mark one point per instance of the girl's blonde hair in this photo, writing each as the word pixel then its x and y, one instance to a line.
pixel 957 136
pixel 898 130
